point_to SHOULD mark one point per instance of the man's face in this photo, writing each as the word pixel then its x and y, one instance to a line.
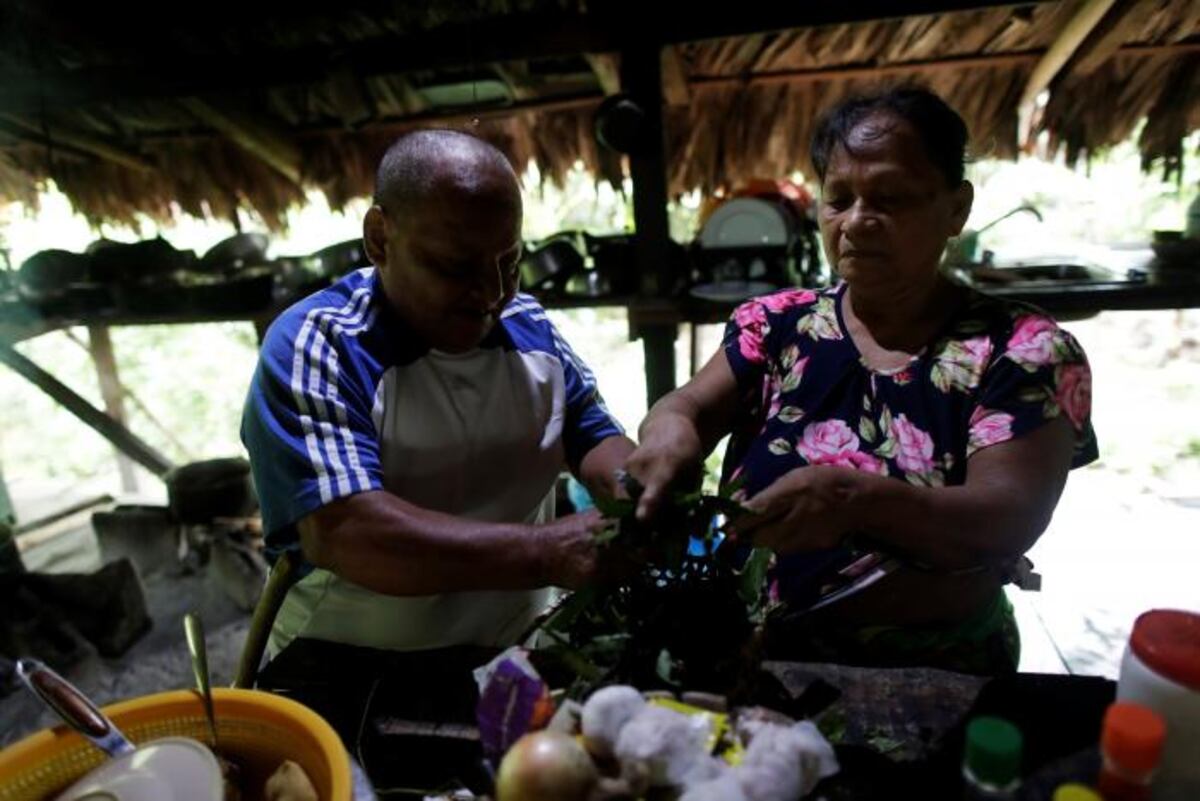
pixel 449 265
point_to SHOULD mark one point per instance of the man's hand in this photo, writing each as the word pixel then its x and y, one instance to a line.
pixel 571 557
pixel 670 451
pixel 806 509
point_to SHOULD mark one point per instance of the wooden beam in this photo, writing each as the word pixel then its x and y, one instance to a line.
pixel 675 78
pixel 120 436
pixel 866 70
pixel 1106 39
pixel 112 392
pixel 515 75
pixel 350 98
pixel 1064 46
pixel 511 37
pixel 414 102
pixel 259 137
pixel 88 143
pixel 925 66
pixel 607 68
pixel 641 77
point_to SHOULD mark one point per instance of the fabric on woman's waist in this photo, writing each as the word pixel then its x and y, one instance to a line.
pixel 987 642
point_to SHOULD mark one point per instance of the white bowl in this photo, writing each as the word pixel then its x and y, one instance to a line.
pixel 170 769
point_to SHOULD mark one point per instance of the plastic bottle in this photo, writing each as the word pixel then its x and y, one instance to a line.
pixel 1131 744
pixel 992 760
pixel 1161 670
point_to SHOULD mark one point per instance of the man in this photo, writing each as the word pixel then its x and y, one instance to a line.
pixel 406 427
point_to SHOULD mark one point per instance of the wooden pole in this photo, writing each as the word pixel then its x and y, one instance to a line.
pixel 120 436
pixel 88 143
pixel 1064 46
pixel 101 348
pixel 641 77
pixel 257 136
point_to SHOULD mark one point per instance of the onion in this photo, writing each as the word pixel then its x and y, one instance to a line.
pixel 545 766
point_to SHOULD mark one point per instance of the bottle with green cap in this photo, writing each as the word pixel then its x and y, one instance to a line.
pixel 992 760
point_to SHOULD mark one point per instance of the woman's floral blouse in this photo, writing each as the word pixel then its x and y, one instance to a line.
pixel 997 371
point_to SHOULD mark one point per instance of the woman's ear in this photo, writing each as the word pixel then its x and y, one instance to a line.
pixel 960 211
pixel 375 236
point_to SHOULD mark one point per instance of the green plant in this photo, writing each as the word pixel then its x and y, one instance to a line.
pixel 685 619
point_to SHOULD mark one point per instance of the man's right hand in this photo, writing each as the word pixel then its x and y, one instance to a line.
pixel 670 451
pixel 571 558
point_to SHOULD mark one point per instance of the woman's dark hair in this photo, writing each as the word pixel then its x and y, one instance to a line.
pixel 941 131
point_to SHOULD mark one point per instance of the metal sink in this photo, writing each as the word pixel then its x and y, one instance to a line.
pixel 1047 272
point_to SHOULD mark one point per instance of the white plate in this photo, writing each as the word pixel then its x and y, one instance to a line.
pixel 170 769
pixel 745 221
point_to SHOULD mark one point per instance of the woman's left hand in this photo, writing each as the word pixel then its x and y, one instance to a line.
pixel 806 509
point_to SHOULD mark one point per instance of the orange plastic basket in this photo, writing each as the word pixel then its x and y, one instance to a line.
pixel 259 729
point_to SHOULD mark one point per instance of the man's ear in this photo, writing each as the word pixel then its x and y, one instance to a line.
pixel 375 236
pixel 964 197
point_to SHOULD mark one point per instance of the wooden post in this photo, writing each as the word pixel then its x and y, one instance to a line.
pixel 101 348
pixel 120 436
pixel 10 557
pixel 641 77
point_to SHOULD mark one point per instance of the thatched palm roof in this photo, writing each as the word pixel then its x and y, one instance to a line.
pixel 210 114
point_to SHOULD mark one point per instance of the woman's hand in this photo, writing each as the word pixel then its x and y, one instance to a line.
pixel 806 509
pixel 680 430
pixel 669 452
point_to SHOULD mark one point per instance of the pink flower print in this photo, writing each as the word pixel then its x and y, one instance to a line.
pixel 988 427
pixel 781 301
pixel 1074 393
pixel 1034 342
pixel 833 443
pixel 959 365
pixel 822 443
pixel 914 447
pixel 821 322
pixel 864 462
pixel 751 320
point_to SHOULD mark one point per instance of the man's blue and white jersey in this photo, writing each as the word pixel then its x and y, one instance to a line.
pixel 346 399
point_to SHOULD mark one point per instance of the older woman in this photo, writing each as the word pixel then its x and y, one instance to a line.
pixel 927 420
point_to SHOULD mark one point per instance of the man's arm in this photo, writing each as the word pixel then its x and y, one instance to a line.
pixel 598 468
pixel 386 544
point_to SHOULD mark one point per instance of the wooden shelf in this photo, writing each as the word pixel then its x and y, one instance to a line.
pixel 19 321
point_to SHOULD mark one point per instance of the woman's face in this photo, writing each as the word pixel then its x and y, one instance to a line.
pixel 886 211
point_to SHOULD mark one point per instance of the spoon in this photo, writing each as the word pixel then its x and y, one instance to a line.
pixel 231 771
pixel 196 647
pixel 75 708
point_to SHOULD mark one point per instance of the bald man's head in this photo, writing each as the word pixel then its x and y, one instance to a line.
pixel 421 163
pixel 445 235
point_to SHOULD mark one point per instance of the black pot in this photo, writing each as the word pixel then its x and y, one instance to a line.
pixel 548 267
pixel 47 274
pixel 235 253
pixel 200 492
pixel 118 262
pixel 339 259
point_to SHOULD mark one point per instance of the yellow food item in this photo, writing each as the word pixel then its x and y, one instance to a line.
pixel 289 782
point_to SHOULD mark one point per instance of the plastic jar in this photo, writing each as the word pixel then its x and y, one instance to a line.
pixel 1161 670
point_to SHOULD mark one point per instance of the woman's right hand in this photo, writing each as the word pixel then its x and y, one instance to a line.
pixel 670 450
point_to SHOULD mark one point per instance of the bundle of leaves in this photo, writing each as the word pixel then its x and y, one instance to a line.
pixel 685 620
